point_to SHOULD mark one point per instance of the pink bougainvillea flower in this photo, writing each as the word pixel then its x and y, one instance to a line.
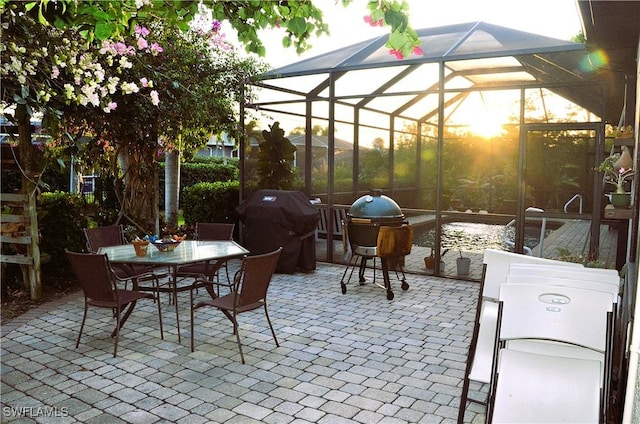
pixel 142 31
pixel 418 51
pixel 120 48
pixel 142 44
pixel 396 53
pixel 155 49
pixel 370 21
pixel 111 106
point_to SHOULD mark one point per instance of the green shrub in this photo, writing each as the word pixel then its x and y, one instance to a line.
pixel 211 202
pixel 61 220
pixel 192 173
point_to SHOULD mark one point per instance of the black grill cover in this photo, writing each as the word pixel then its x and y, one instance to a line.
pixel 274 218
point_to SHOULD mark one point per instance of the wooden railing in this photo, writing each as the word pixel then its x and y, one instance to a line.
pixel 339 216
pixel 19 229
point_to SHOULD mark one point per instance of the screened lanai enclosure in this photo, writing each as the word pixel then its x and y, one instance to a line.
pixel 488 139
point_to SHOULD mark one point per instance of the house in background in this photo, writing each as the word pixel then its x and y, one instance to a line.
pixel 221 147
pixel 319 150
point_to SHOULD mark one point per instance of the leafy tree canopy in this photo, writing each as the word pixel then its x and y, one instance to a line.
pixel 107 19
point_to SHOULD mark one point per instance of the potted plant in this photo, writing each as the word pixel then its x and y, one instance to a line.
pixel 463 264
pixel 619 132
pixel 617 169
pixel 430 261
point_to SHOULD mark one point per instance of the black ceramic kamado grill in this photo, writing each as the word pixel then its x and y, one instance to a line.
pixel 376 228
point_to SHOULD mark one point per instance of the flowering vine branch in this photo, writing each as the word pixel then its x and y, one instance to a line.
pixel 403 40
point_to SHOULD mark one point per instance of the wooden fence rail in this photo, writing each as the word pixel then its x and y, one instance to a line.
pixel 19 230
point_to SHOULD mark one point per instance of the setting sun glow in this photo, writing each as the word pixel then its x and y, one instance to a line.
pixel 486 125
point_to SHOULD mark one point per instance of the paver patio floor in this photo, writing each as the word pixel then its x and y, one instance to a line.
pixel 353 358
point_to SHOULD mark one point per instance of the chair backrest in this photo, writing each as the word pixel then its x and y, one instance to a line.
pixel 256 273
pixel 566 281
pixel 497 267
pixel 94 275
pixel 214 231
pixel 608 276
pixel 110 235
pixel 394 242
pixel 561 314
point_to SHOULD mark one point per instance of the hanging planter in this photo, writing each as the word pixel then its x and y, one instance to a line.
pixel 617 169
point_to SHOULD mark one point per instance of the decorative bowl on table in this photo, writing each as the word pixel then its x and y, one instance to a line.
pixel 166 245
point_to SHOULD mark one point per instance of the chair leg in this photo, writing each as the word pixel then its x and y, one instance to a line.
pixel 192 318
pixel 156 299
pixel 266 313
pixel 84 317
pixel 237 333
pixel 463 400
pixel 122 319
pixel 175 301
pixel 117 331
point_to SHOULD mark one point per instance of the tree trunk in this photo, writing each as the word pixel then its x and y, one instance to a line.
pixel 171 188
pixel 138 198
pixel 28 162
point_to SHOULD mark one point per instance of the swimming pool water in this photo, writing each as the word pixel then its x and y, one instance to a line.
pixel 474 237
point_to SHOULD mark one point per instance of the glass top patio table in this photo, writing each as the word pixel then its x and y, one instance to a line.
pixel 188 252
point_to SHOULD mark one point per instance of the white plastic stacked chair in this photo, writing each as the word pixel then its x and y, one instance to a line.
pixel 547 384
pixel 603 280
pixel 479 359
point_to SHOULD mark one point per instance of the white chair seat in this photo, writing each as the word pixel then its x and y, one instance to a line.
pixel 534 388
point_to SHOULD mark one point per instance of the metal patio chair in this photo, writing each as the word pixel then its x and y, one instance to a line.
pixel 249 292
pixel 210 270
pixel 99 286
pixel 113 235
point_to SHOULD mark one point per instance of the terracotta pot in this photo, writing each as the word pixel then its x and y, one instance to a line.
pixel 429 262
pixel 140 247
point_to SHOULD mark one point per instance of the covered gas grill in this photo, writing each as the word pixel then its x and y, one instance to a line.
pixel 281 218
pixel 376 228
